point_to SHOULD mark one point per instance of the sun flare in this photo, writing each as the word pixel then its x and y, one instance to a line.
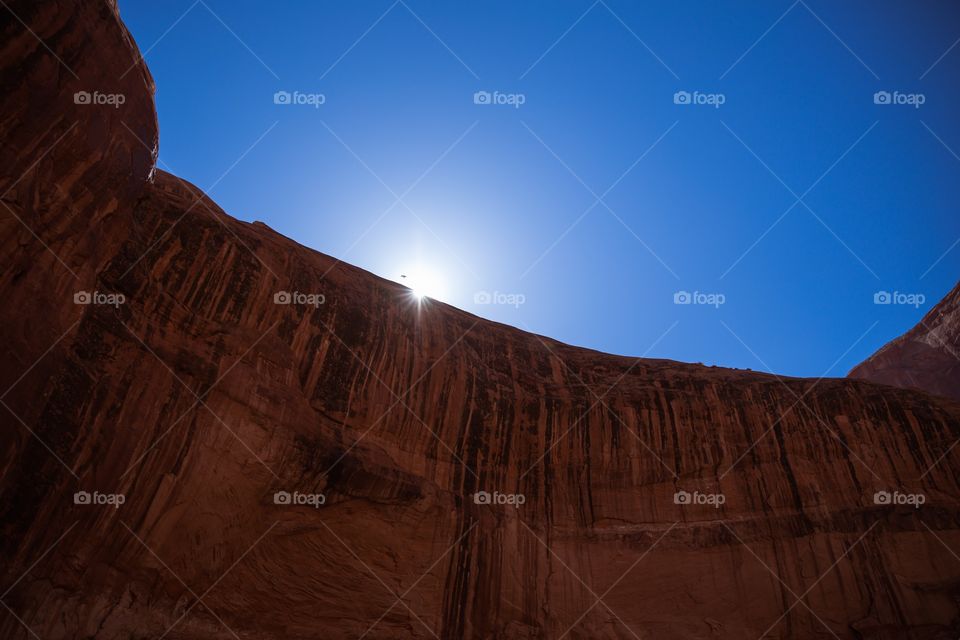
pixel 424 283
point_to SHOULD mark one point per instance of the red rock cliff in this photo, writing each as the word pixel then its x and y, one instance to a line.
pixel 926 357
pixel 164 457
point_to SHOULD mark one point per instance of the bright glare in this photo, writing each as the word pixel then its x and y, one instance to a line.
pixel 424 283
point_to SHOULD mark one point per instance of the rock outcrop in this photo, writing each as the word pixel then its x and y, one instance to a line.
pixel 926 357
pixel 233 436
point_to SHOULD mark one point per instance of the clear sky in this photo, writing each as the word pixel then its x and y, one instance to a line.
pixel 581 191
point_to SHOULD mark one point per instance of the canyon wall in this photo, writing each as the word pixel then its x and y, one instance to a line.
pixel 926 357
pixel 211 431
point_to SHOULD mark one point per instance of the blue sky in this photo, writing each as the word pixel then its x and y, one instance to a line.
pixel 585 193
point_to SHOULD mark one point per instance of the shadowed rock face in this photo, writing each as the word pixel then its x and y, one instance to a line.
pixel 926 357
pixel 205 418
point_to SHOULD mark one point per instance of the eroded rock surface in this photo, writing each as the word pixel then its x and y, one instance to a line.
pixel 194 407
pixel 926 357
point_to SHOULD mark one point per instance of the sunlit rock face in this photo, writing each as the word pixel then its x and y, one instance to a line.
pixel 233 436
pixel 926 357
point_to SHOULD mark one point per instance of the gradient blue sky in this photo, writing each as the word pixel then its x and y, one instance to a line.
pixel 506 203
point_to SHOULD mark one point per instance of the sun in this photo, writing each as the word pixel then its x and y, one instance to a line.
pixel 424 283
